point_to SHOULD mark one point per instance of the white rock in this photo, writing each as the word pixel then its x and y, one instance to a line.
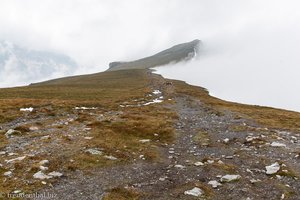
pixel 43 168
pixel 44 162
pixel 8 173
pixel 210 161
pixel 198 163
pixel 277 144
pixel 254 181
pixel 226 140
pixel 88 138
pixel 41 175
pixel 230 178
pixel 145 140
pixel 2 152
pixel 46 137
pixel 30 109
pixel 55 174
pixel 214 183
pixel 272 169
pixel 110 157
pixel 16 159
pixel 17 191
pixel 33 128
pixel 156 92
pixel 179 166
pixel 11 132
pixel 94 151
pixel 194 192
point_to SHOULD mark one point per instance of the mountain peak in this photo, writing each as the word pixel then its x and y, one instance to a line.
pixel 177 53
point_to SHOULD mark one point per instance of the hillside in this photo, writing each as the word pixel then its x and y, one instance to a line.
pixel 132 134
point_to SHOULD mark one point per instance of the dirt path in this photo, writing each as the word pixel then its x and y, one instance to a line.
pixel 208 146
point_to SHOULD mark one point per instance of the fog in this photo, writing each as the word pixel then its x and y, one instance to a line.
pixel 250 48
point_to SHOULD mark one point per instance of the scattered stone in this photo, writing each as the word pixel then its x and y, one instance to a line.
pixel 2 152
pixel 55 174
pixel 30 109
pixel 88 138
pixel 179 166
pixel 16 159
pixel 277 144
pixel 254 181
pixel 196 192
pixel 41 175
pixel 44 182
pixel 229 178
pixel 210 161
pixel 12 132
pixel 8 173
pixel 214 183
pixel 171 152
pixel 43 168
pixel 156 92
pixel 226 140
pixel 46 137
pixel 44 162
pixel 17 191
pixel 145 140
pixel 33 128
pixel 87 129
pixel 220 162
pixel 94 151
pixel 110 157
pixel 198 163
pixel 272 169
pixel 163 178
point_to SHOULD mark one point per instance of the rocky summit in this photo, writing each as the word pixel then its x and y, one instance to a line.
pixel 133 134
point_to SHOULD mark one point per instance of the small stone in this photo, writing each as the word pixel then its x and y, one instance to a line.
pixel 55 174
pixel 16 159
pixel 230 178
pixel 88 138
pixel 214 183
pixel 277 144
pixel 12 132
pixel 33 128
pixel 94 151
pixel 44 182
pixel 8 173
pixel 145 140
pixel 272 169
pixel 44 162
pixel 179 166
pixel 210 161
pixel 30 109
pixel 162 178
pixel 17 191
pixel 198 163
pixel 226 140
pixel 254 181
pixel 41 175
pixel 43 168
pixel 2 152
pixel 196 192
pixel 110 157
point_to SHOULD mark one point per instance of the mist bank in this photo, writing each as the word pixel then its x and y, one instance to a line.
pixel 242 77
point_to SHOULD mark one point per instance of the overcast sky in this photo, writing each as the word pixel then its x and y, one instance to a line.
pixel 251 48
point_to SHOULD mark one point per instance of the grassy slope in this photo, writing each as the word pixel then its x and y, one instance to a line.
pixel 107 91
pixel 267 116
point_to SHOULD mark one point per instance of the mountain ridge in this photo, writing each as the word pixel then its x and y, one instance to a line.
pixel 177 53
